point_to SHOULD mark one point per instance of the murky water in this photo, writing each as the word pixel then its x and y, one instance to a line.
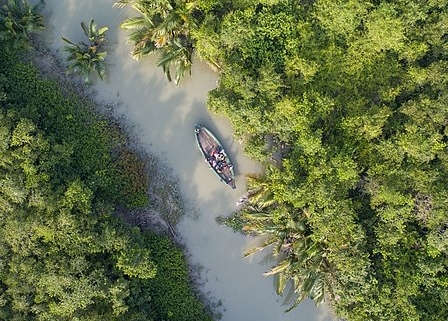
pixel 163 116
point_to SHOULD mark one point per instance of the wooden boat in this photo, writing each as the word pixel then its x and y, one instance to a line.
pixel 215 155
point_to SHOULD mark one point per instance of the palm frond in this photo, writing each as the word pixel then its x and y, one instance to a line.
pixel 122 3
pixel 183 66
pixel 101 55
pixel 281 280
pixel 174 54
pixel 87 29
pixel 100 69
pixel 166 70
pixel 295 304
pixel 102 31
pixel 162 23
pixel 69 42
pixel 280 267
pixel 140 38
pixel 317 292
pixel 266 242
pixel 143 50
pixel 134 23
pixel 167 56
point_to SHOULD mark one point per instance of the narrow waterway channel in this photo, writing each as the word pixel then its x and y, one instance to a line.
pixel 162 115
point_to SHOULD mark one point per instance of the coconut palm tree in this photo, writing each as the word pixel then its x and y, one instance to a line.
pixel 164 28
pixel 179 56
pixel 19 20
pixel 302 264
pixel 85 58
pixel 300 261
pixel 260 189
pixel 301 269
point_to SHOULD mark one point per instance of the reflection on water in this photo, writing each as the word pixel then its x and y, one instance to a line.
pixel 163 115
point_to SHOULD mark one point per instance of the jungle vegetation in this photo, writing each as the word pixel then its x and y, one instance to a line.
pixel 162 27
pixel 18 20
pixel 346 102
pixel 85 58
pixel 64 169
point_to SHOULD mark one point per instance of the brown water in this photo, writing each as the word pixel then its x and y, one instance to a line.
pixel 162 115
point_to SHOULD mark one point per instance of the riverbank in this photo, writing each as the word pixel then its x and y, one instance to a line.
pixel 165 208
pixel 162 116
pixel 66 173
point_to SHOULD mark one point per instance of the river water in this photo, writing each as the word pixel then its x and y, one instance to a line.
pixel 162 115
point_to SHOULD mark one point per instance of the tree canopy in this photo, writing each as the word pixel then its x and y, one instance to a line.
pixel 348 100
pixel 344 101
pixel 64 255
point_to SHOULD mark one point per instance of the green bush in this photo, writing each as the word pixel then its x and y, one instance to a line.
pixel 88 143
pixel 171 290
pixel 63 170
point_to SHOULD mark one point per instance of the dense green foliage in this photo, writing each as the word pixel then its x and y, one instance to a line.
pixel 162 27
pixel 349 99
pixel 345 101
pixel 63 254
pixel 354 95
pixel 18 20
pixel 85 58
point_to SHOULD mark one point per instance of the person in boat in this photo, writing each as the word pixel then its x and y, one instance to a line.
pixel 224 165
pixel 215 152
pixel 211 161
pixel 221 156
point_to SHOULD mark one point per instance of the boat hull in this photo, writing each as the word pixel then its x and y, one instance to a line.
pixel 215 155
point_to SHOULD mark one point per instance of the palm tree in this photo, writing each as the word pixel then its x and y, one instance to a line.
pixel 18 20
pixel 260 188
pixel 165 29
pixel 301 269
pixel 301 263
pixel 178 55
pixel 84 57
